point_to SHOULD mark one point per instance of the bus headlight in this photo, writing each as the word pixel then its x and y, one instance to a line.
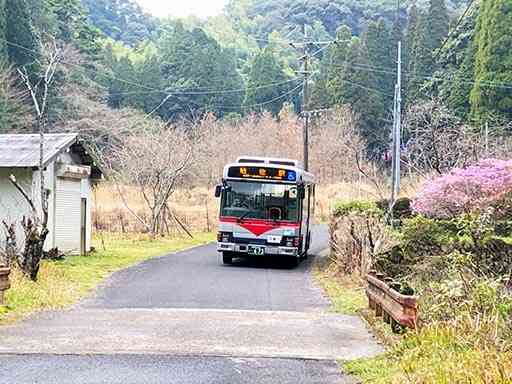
pixel 224 237
pixel 292 242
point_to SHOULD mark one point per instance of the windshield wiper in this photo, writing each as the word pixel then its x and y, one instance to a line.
pixel 241 218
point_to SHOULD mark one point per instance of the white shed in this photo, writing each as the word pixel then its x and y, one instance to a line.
pixel 70 174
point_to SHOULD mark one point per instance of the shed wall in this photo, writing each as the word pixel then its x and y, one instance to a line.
pixel 12 204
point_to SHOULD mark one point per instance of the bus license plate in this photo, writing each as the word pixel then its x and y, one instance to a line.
pixel 255 250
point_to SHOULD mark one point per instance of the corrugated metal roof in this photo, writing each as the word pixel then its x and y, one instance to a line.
pixel 22 151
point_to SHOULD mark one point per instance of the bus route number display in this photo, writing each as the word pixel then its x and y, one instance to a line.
pixel 262 173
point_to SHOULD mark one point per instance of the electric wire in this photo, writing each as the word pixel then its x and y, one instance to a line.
pixel 454 29
pixel 200 91
pixel 293 90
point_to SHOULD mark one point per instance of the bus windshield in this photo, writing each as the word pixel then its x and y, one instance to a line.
pixel 260 201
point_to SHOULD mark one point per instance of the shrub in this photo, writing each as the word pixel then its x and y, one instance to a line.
pixel 357 206
pixel 358 234
pixel 401 209
pixel 465 190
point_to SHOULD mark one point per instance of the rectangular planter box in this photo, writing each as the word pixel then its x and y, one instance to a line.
pixel 395 308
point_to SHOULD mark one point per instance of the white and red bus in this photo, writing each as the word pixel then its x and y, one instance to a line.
pixel 266 208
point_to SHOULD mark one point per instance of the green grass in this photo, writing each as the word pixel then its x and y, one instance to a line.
pixel 436 354
pixel 375 370
pixel 346 292
pixel 62 283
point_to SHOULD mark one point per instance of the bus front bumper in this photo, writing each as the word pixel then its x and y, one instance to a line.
pixel 267 249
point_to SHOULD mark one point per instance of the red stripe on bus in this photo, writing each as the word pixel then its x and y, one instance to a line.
pixel 258 226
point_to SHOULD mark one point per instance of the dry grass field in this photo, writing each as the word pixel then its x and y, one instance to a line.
pixel 197 209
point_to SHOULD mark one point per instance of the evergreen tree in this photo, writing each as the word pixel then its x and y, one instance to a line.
pixel 338 56
pixel 70 17
pixel 319 96
pixel 493 48
pixel 459 94
pixel 360 90
pixel 21 33
pixel 438 24
pixel 122 20
pixel 426 33
pixel 455 74
pixel 3 27
pixel 194 63
pixel 381 53
pixel 265 69
pixel 420 60
pixel 410 43
pixel 42 17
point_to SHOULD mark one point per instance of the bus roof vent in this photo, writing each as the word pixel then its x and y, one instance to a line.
pixel 291 163
pixel 250 160
pixel 269 160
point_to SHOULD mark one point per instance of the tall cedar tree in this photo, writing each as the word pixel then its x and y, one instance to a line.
pixel 493 45
pixel 456 66
pixel 21 33
pixel 381 52
pixel 68 22
pixel 319 96
pixel 122 20
pixel 3 31
pixel 266 69
pixel 192 61
pixel 427 33
pixel 438 24
pixel 420 61
pixel 360 89
pixel 410 47
pixel 338 56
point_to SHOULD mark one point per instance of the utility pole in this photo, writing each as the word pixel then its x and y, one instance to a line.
pixel 486 138
pixel 304 49
pixel 305 100
pixel 397 126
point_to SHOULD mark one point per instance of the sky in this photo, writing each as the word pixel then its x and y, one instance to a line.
pixel 182 8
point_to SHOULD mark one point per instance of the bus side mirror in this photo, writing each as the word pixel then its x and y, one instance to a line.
pixel 302 192
pixel 218 190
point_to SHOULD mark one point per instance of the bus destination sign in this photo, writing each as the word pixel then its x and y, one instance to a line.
pixel 262 173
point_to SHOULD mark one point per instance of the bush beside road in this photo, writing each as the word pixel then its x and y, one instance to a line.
pixel 62 283
pixel 453 248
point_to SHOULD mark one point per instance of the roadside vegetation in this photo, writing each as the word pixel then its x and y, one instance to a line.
pixel 452 245
pixel 62 283
pixel 346 292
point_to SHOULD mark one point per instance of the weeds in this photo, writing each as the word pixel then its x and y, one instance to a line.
pixel 346 292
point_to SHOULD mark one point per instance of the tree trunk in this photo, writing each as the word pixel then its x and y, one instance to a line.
pixel 30 259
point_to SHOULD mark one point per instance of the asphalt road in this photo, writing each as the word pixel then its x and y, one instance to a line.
pixel 196 279
pixel 186 318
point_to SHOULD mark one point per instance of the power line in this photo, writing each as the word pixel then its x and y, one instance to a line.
pixel 79 66
pixel 263 103
pixel 466 11
pixel 154 90
pixel 367 88
pixel 369 68
pixel 206 92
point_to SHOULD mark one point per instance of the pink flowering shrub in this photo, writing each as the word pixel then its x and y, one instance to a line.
pixel 469 189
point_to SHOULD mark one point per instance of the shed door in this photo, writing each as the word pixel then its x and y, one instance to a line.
pixel 68 215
